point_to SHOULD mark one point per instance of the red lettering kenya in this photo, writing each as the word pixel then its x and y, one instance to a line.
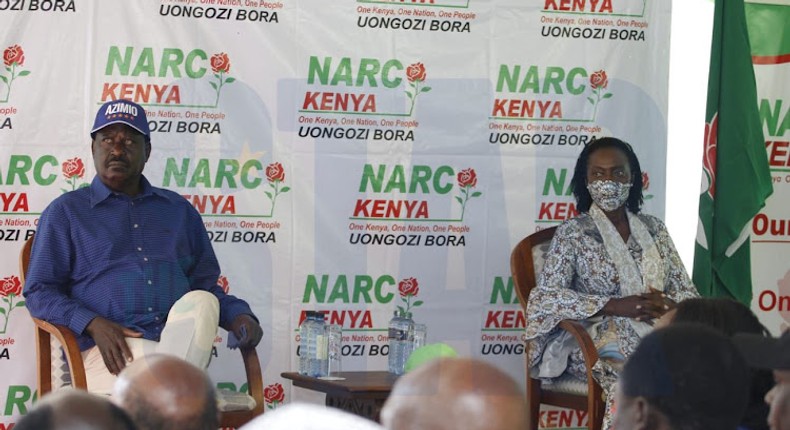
pixel 339 102
pixel 579 5
pixel 310 101
pixel 361 209
pixel 779 153
pixel 19 201
pixel 506 319
pixel 139 93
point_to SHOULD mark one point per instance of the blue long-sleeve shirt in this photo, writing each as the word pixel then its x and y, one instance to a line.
pixel 127 259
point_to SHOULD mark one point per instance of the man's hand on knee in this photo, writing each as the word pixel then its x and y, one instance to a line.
pixel 109 338
pixel 254 332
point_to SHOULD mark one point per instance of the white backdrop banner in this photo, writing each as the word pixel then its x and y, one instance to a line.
pixel 350 157
pixel 769 32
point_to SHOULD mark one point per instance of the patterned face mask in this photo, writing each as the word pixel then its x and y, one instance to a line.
pixel 609 195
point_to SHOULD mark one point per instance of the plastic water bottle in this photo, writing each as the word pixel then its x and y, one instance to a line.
pixel 311 332
pixel 400 329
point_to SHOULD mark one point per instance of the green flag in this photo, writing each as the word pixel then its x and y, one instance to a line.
pixel 736 179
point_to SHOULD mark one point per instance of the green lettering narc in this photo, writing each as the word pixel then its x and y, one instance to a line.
pixel 363 285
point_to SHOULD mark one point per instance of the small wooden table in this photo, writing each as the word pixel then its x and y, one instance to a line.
pixel 361 393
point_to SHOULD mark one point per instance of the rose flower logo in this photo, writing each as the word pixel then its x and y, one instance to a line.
pixel 273 395
pixel 10 289
pixel 416 75
pixel 73 170
pixel 467 179
pixel 276 176
pixel 407 289
pixel 13 58
pixel 220 65
pixel 598 82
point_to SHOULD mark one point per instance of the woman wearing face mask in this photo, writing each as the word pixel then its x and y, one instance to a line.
pixel 612 267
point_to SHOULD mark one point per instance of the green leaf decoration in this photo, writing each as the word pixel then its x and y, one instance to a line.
pixel 230 80
pixel 459 200
pixel 4 79
pixel 2 311
pixel 5 299
pixel 213 85
pixel 285 189
pixel 417 303
pixel 85 185
pixel 477 194
pixel 216 75
pixel 20 304
pixel 268 194
pixel 591 100
pixel 24 73
pixel 425 89
pixel 8 69
pixel 607 96
pixel 648 197
pixel 400 308
pixel 408 94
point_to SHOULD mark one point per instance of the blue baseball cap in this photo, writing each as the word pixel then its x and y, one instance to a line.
pixel 121 112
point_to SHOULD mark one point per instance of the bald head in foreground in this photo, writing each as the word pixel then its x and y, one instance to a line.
pixel 162 392
pixel 75 410
pixel 454 393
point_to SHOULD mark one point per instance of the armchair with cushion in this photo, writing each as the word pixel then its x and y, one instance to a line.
pixel 526 262
pixel 228 403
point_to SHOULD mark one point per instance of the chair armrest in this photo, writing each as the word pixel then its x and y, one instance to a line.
pixel 589 352
pixel 70 347
pixel 254 377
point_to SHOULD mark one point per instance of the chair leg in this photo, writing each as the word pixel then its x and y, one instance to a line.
pixel 533 403
pixel 44 358
pixel 596 405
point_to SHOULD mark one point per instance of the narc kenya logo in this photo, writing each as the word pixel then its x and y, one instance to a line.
pixel 422 179
pixel 171 64
pixel 368 75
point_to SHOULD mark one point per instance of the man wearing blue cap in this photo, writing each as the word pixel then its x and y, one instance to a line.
pixel 128 267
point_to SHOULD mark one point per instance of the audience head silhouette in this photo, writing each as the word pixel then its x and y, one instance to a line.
pixel 453 393
pixel 683 377
pixel 731 317
pixel 75 410
pixel 162 393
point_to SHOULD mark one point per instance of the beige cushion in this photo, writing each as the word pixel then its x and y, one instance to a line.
pixel 228 400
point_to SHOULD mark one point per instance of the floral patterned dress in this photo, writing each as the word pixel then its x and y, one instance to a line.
pixel 578 279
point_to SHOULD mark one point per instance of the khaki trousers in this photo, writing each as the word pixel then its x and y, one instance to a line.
pixel 189 334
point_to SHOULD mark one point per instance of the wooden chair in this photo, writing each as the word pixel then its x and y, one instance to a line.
pixel 71 350
pixel 526 262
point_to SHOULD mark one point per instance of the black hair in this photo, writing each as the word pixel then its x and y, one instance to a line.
pixel 43 418
pixel 39 418
pixel 731 317
pixel 691 374
pixel 579 181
